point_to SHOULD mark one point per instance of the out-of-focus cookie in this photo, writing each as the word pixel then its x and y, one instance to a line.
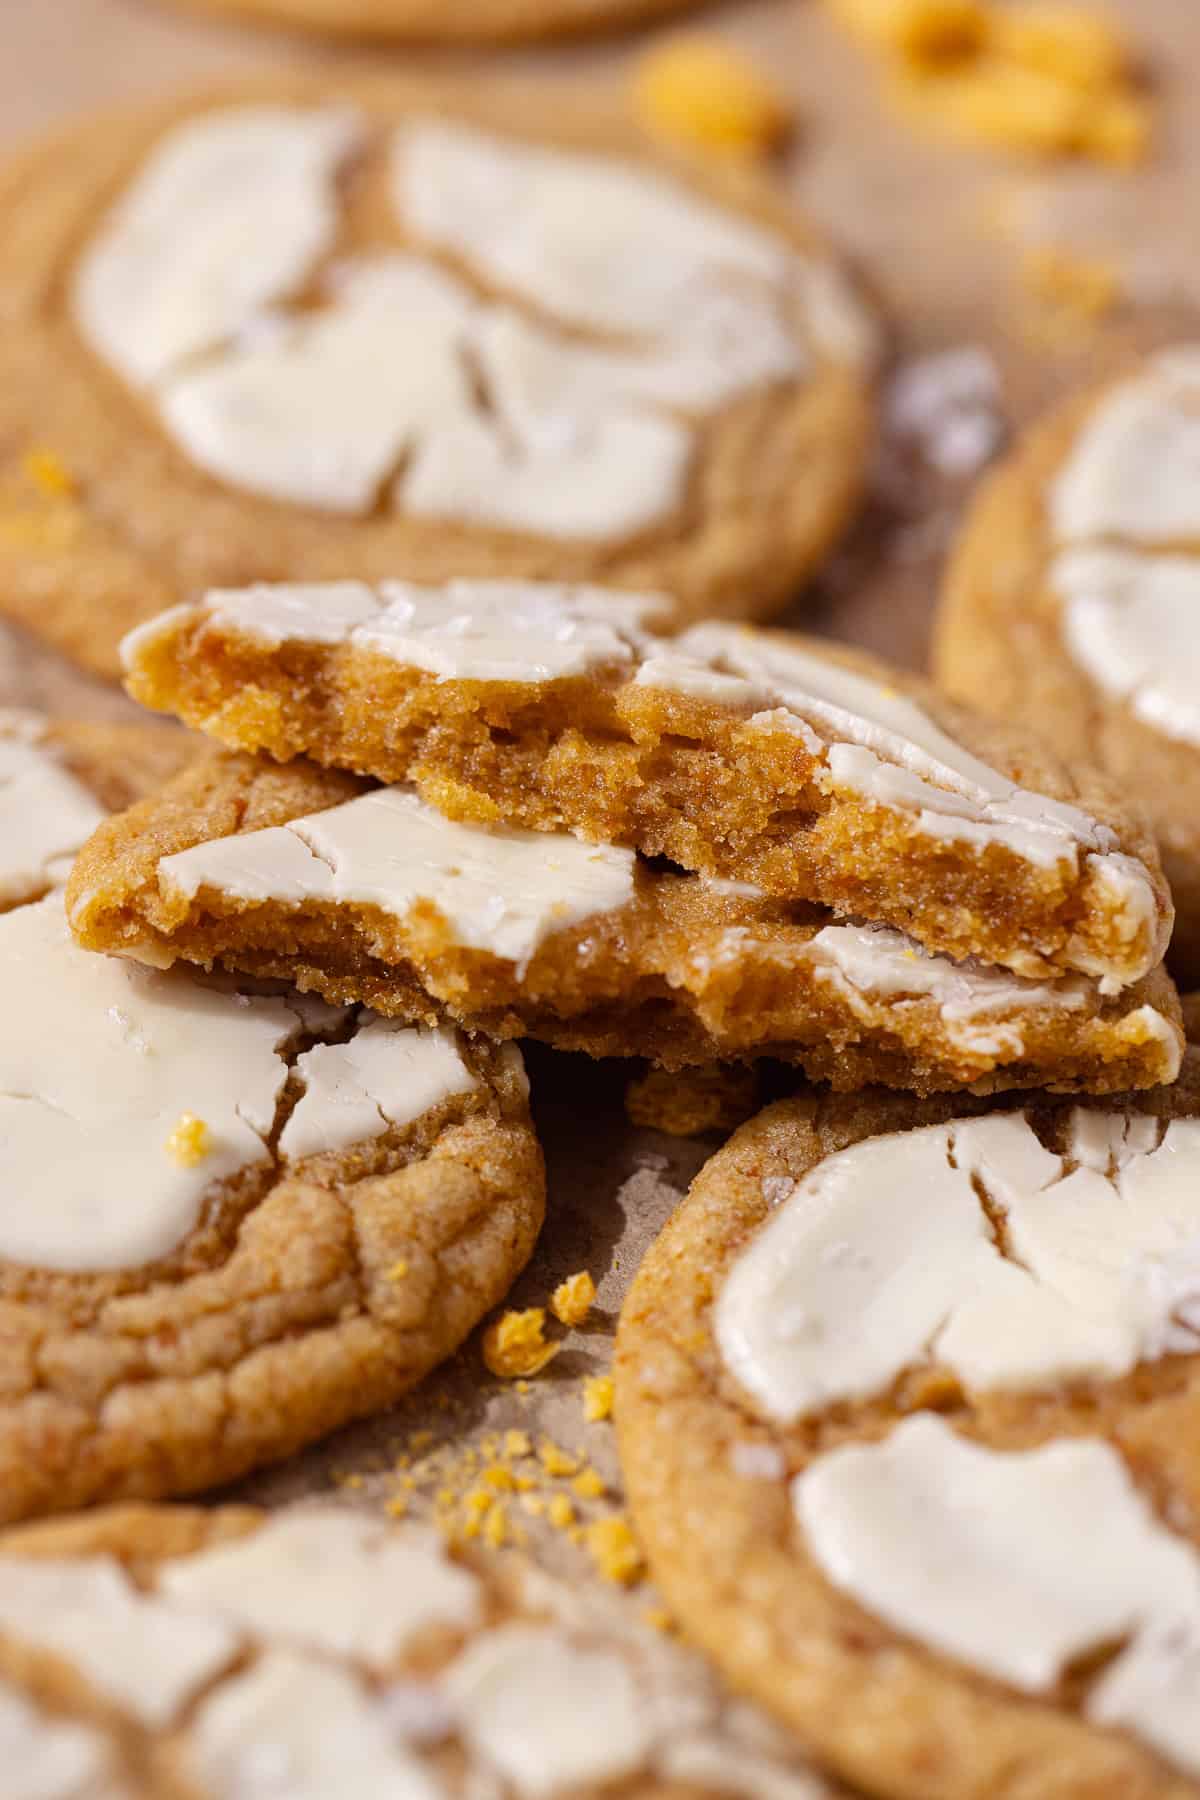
pixel 907 1396
pixel 58 779
pixel 289 331
pixel 231 1221
pixel 367 894
pixel 812 771
pixel 444 21
pixel 234 1655
pixel 1072 605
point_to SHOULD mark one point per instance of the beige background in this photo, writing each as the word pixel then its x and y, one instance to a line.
pixel 922 218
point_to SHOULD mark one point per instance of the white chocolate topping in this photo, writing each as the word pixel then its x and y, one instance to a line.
pixel 1134 470
pixel 463 631
pixel 1017 1563
pixel 884 1256
pixel 546 1714
pixel 874 962
pixel 386 1075
pixel 598 242
pixel 45 815
pixel 47 1759
pixel 226 216
pixel 1132 623
pixel 304 1730
pixel 496 890
pixel 130 1647
pixel 92 1089
pixel 390 379
pixel 328 1581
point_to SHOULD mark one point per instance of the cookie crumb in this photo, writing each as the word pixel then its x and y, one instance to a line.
pixel 498 1477
pixel 588 1484
pixel 189 1142
pixel 613 1549
pixel 698 92
pixel 48 473
pixel 597 1398
pixel 516 1344
pixel 555 1460
pixel 686 1102
pixel 572 1299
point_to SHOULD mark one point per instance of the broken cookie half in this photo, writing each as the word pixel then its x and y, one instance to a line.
pixel 365 894
pixel 812 771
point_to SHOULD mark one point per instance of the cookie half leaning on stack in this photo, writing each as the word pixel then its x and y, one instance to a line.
pixel 907 1397
pixel 863 878
pixel 663 377
pixel 232 1219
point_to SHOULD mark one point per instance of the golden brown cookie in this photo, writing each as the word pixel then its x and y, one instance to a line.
pixel 233 1220
pixel 1071 602
pixel 444 21
pixel 809 770
pixel 907 1397
pixel 359 1658
pixel 662 378
pixel 367 894
pixel 58 778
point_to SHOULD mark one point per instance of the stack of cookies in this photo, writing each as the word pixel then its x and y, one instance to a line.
pixel 427 458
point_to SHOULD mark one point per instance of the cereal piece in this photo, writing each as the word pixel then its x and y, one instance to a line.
pixel 517 1444
pixel 698 92
pixel 588 1484
pixel 925 30
pixel 555 1460
pixel 189 1142
pixel 597 1398
pixel 686 1102
pixel 614 1550
pixel 495 1526
pixel 516 1345
pixel 497 1477
pixel 1072 43
pixel 560 1512
pixel 572 1299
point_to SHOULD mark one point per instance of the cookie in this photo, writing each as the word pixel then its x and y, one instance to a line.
pixel 663 377
pixel 812 771
pixel 322 1653
pixel 445 21
pixel 1069 602
pixel 369 895
pixel 58 779
pixel 906 1397
pixel 233 1221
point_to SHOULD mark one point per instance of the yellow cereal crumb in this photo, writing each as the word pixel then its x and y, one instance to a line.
pixel 927 30
pixel 495 1526
pixel 190 1141
pixel 560 1512
pixel 471 1528
pixel 613 1548
pixel 684 1103
pixel 1078 288
pixel 48 473
pixel 572 1299
pixel 398 1270
pixel 597 1398
pixel 588 1484
pixel 499 1478
pixel 444 1497
pixel 522 1388
pixel 397 1506
pixel 698 92
pixel 1072 43
pixel 517 1443
pixel 516 1345
pixel 478 1500
pixel 555 1460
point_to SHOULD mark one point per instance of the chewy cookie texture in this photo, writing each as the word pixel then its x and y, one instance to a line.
pixel 934 1367
pixel 233 1219
pixel 1071 603
pixel 664 379
pixel 367 894
pixel 153 1652
pixel 808 771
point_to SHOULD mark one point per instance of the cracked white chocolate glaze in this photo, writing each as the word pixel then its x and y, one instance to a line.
pixel 45 813
pixel 469 394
